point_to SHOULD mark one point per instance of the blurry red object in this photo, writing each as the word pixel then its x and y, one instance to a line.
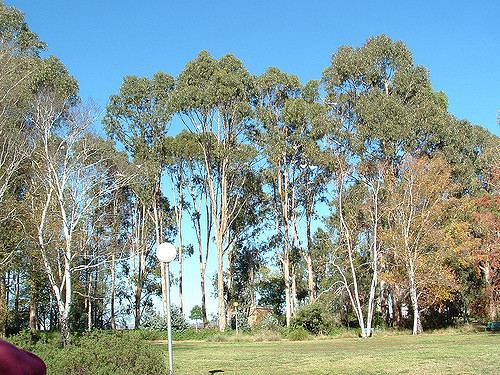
pixel 16 361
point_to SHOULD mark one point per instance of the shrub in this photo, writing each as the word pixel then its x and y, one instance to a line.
pixel 298 334
pixel 312 318
pixel 242 321
pixel 151 320
pixel 146 334
pixel 270 323
pixel 101 352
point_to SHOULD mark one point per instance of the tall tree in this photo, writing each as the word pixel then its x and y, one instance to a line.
pixel 416 204
pixel 19 59
pixel 138 118
pixel 69 181
pixel 213 98
pixel 382 109
pixel 282 152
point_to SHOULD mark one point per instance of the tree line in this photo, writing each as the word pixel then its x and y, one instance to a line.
pixel 358 191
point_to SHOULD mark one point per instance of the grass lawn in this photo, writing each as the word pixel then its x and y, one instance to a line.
pixel 426 354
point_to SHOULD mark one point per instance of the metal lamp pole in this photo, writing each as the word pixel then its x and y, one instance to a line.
pixel 169 324
pixel 166 253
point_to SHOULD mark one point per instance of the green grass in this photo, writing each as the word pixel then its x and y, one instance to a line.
pixel 426 354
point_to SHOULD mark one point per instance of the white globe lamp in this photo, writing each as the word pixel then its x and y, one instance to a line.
pixel 166 252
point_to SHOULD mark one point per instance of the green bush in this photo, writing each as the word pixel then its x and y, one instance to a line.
pixel 146 334
pixel 313 318
pixel 270 323
pixel 100 353
pixel 242 321
pixel 151 320
pixel 298 334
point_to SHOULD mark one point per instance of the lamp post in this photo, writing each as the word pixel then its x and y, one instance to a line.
pixel 166 252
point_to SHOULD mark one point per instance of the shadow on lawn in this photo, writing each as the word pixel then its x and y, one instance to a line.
pixel 215 371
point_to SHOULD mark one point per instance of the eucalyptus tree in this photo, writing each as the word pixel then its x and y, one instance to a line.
pixel 19 53
pixel 307 114
pixel 213 98
pixel 138 118
pixel 104 235
pixel 198 207
pixel 283 165
pixel 54 167
pixel 382 109
pixel 246 250
pixel 286 112
pixel 19 62
pixel 416 216
pixel 180 154
pixel 68 181
pixel 360 130
pixel 21 70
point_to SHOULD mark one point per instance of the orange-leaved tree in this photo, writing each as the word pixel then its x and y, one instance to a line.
pixel 415 233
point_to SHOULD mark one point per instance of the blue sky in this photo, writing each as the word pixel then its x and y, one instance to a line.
pixel 102 41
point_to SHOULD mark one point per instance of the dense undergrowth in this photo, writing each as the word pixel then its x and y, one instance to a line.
pixel 96 353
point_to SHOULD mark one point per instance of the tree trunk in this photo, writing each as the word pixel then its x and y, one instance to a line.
pixel 159 240
pixel 492 309
pixel 417 324
pixel 307 256
pixel 16 295
pixel 137 305
pixel 294 290
pixel 196 215
pixel 3 304
pixel 220 289
pixel 396 309
pixel 181 299
pixel 33 323
pixel 310 279
pixel 371 301
pixel 251 282
pixel 33 303
pixel 64 326
pixel 89 307
pixel 203 296
pixel 286 275
pixel 113 291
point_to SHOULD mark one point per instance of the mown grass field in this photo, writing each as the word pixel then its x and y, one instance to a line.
pixel 426 354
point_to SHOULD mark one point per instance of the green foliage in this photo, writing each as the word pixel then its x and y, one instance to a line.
pixel 270 322
pixel 242 321
pixel 14 32
pixel 104 352
pixel 206 84
pixel 313 318
pixel 297 334
pixel 244 134
pixel 151 320
pixel 196 313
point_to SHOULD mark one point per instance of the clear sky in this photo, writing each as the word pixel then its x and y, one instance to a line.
pixel 100 41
